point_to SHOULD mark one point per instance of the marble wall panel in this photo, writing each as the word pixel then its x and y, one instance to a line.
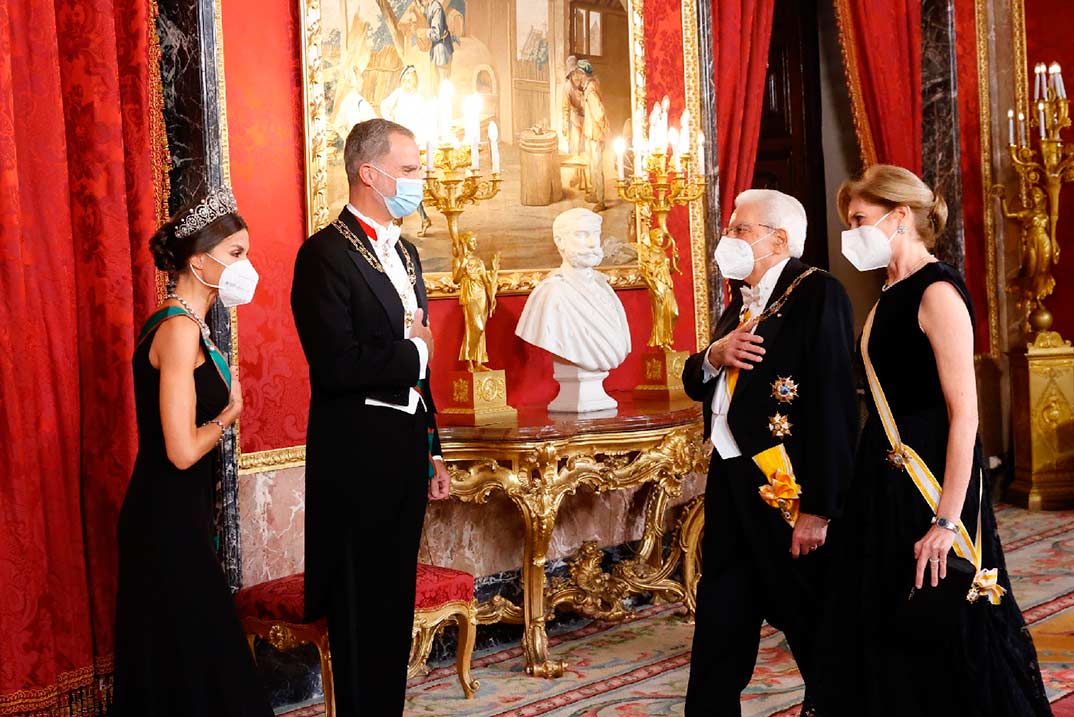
pixel 940 127
pixel 485 540
pixel 273 510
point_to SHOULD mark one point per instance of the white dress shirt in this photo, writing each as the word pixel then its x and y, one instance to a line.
pixel 754 300
pixel 384 244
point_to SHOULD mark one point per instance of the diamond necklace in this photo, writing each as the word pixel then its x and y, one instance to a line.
pixel 206 335
pixel 918 265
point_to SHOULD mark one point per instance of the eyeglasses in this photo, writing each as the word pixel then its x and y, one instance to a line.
pixel 739 229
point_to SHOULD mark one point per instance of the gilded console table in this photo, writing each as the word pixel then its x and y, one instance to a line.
pixel 539 460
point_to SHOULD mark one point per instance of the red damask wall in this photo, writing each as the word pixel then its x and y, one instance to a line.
pixel 1048 39
pixel 264 112
pixel 969 117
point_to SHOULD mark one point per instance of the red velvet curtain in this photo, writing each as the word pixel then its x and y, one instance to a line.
pixel 743 31
pixel 881 43
pixel 82 186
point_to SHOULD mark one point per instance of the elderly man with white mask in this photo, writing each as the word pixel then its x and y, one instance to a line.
pixel 575 315
pixel 777 392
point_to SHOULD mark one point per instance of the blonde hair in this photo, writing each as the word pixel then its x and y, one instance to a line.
pixel 891 187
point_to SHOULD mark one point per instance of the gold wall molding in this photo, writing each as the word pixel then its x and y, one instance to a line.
pixel 276 459
pixel 699 256
pixel 984 90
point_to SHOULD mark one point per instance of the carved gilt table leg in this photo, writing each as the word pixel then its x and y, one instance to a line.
pixel 538 501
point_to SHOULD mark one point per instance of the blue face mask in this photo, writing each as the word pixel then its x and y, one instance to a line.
pixel 408 195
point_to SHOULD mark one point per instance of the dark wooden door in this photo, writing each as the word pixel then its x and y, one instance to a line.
pixel 789 153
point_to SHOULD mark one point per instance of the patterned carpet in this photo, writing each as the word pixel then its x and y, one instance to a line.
pixel 641 667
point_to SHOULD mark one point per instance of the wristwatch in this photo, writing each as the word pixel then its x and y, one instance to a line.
pixel 945 524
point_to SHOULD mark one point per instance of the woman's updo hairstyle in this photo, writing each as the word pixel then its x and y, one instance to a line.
pixel 890 187
pixel 195 229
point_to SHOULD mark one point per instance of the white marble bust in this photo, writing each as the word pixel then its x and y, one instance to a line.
pixel 575 315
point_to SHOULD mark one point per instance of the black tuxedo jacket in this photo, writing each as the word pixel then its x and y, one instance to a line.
pixel 350 322
pixel 809 341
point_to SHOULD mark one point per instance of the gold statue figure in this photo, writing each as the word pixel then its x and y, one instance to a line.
pixel 477 296
pixel 1039 249
pixel 656 267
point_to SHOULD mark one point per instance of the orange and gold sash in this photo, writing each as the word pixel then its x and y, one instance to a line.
pixel 782 492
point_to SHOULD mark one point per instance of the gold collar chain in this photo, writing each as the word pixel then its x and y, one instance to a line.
pixel 786 295
pixel 372 258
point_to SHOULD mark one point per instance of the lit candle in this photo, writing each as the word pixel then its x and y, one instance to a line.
pixel 620 149
pixel 1022 129
pixel 429 153
pixel 1040 108
pixel 1057 79
pixel 494 146
pixel 701 153
pixel 1010 126
pixel 1037 77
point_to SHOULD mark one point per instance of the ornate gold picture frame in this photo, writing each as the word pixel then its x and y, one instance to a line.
pixel 356 55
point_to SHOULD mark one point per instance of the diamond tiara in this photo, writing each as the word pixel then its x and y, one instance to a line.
pixel 219 203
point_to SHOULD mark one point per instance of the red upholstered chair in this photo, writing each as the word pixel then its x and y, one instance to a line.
pixel 273 611
pixel 444 596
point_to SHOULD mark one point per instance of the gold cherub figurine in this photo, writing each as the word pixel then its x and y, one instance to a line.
pixel 477 296
pixel 656 267
pixel 1039 249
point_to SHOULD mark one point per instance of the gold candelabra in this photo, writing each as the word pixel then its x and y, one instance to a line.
pixel 661 187
pixel 453 181
pixel 1042 377
pixel 1042 171
pixel 662 180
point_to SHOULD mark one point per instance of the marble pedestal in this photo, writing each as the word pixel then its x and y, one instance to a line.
pixel 580 390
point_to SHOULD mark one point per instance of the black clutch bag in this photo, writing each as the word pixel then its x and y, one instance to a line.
pixel 930 610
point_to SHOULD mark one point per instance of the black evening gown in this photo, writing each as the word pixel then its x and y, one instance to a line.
pixel 180 648
pixel 977 660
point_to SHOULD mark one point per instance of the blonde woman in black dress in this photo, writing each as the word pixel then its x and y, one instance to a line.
pixel 922 620
pixel 180 649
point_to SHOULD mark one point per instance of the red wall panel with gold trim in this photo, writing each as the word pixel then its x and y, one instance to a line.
pixel 263 75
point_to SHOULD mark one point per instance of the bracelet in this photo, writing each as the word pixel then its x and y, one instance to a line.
pixel 945 524
pixel 223 428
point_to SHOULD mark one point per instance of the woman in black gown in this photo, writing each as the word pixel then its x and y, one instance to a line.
pixel 180 649
pixel 903 636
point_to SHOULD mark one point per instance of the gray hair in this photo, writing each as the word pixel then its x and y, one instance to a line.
pixel 369 142
pixel 781 211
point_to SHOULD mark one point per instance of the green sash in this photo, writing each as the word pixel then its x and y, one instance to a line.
pixel 214 353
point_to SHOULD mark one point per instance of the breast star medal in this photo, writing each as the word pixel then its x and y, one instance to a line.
pixel 779 425
pixel 784 390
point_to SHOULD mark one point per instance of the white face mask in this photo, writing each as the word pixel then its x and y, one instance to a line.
pixel 867 247
pixel 237 282
pixel 735 258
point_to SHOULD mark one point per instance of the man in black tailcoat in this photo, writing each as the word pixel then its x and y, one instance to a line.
pixel 779 403
pixel 372 448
